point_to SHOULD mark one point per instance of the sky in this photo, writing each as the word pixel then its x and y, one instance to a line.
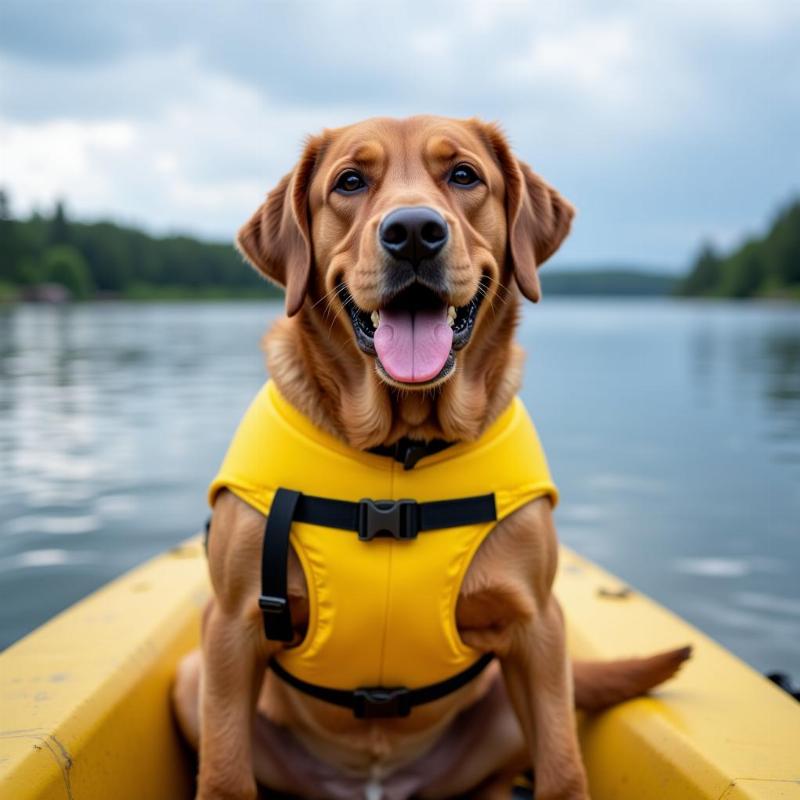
pixel 667 124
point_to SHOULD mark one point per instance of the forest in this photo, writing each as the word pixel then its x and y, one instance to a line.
pixel 103 259
pixel 766 266
pixel 108 260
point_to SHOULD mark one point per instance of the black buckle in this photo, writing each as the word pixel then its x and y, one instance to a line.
pixel 272 605
pixel 396 518
pixel 377 702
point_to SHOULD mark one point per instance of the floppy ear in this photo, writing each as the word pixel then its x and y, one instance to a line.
pixel 276 240
pixel 538 217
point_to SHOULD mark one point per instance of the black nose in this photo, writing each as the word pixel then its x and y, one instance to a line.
pixel 413 233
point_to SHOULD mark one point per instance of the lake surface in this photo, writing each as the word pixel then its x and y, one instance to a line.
pixel 672 429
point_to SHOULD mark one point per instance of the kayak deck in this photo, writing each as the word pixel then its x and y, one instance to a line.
pixel 84 700
pixel 718 730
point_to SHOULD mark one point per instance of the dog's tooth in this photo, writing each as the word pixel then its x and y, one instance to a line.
pixel 376 319
pixel 451 312
pixel 451 321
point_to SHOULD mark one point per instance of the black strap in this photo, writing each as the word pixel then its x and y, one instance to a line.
pixel 380 702
pixel 274 600
pixel 454 513
pixel 435 515
pixel 409 451
pixel 401 519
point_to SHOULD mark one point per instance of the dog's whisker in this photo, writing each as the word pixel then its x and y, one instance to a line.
pixel 502 300
pixel 498 283
pixel 330 302
pixel 335 290
pixel 502 292
pixel 334 312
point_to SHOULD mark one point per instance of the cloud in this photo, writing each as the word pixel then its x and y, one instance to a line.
pixel 663 123
pixel 587 58
pixel 196 160
pixel 49 159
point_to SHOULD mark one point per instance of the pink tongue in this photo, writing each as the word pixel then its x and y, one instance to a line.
pixel 414 348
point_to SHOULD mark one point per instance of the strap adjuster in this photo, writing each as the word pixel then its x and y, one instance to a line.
pixel 378 702
pixel 272 605
pixel 396 518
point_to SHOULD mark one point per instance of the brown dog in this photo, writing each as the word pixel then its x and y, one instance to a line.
pixel 473 222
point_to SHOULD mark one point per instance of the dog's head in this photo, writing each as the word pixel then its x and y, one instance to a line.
pixel 408 230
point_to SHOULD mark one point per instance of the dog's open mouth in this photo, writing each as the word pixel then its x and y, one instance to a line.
pixel 416 336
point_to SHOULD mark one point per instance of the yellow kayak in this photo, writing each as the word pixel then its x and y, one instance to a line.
pixel 85 713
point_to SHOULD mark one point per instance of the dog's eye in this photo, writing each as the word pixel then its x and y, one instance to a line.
pixel 464 175
pixel 349 182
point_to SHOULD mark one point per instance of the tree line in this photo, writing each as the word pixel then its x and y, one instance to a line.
pixel 103 259
pixel 106 259
pixel 767 266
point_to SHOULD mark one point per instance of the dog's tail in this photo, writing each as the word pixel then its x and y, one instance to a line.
pixel 600 684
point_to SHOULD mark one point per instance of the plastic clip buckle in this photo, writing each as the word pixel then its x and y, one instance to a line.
pixel 377 703
pixel 395 518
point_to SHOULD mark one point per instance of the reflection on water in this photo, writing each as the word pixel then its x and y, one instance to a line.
pixel 782 389
pixel 112 418
pixel 673 430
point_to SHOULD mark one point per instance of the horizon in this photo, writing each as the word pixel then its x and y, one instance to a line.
pixel 556 265
pixel 666 126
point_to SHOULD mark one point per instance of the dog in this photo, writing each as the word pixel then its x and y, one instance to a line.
pixel 404 248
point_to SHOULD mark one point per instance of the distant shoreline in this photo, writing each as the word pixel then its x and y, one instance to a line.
pixel 11 296
pixel 55 259
pixel 42 295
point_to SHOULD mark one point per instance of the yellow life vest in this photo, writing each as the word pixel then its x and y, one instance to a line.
pixel 381 607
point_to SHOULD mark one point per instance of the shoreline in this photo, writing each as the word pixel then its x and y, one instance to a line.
pixel 15 295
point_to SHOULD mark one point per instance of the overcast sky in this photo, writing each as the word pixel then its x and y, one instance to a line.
pixel 665 123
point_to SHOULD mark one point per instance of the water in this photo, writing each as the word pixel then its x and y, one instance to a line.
pixel 673 431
